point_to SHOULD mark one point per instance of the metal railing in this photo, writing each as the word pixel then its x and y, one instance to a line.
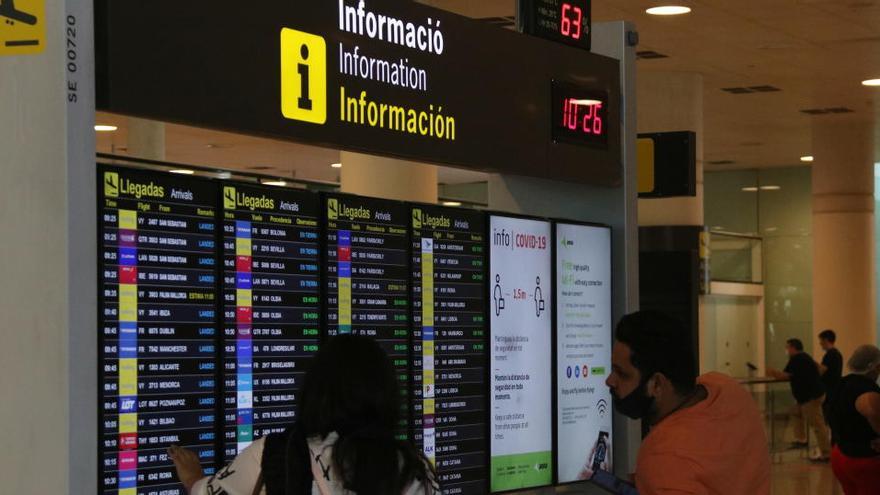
pixel 775 403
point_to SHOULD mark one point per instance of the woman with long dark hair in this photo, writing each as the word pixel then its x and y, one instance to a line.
pixel 343 441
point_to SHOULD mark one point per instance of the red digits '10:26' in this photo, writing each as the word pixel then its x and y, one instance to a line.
pixel 588 121
pixel 571 18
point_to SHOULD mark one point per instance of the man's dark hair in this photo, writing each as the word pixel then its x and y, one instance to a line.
pixel 660 344
pixel 796 344
pixel 828 335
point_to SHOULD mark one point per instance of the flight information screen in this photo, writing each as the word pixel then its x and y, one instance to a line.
pixel 367 277
pixel 271 307
pixel 157 327
pixel 521 353
pixel 449 345
pixel 583 350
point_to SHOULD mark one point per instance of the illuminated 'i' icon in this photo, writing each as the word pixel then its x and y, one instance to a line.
pixel 304 101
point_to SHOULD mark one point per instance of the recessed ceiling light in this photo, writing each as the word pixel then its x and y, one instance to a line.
pixel 750 189
pixel 224 175
pixel 336 165
pixel 669 10
pixel 871 82
pixel 807 158
pixel 182 171
pixel 452 203
pixel 273 182
pixel 105 128
pixel 771 188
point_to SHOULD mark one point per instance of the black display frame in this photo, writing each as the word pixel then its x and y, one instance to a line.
pixel 221 357
pixel 100 168
pixel 559 136
pixel 576 223
pixel 325 306
pixel 322 230
pixel 487 417
pixel 527 10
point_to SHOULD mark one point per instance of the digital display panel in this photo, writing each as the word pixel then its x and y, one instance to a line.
pixel 583 350
pixel 521 288
pixel 157 327
pixel 367 277
pixel 580 115
pixel 271 307
pixel 450 335
pixel 565 21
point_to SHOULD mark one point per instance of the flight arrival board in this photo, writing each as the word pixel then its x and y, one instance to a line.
pixel 271 307
pixel 367 277
pixel 449 345
pixel 157 327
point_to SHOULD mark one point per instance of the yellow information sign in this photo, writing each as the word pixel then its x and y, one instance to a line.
pixel 645 159
pixel 22 27
pixel 303 76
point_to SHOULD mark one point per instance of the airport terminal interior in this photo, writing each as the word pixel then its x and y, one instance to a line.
pixel 200 201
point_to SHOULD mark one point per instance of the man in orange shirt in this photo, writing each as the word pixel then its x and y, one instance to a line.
pixel 706 435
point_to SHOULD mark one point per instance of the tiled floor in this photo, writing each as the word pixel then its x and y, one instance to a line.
pixel 796 476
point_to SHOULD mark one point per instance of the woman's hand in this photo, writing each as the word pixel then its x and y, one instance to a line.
pixel 186 462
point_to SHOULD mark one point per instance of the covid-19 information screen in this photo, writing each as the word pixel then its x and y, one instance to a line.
pixel 157 327
pixel 521 352
pixel 367 276
pixel 449 345
pixel 271 307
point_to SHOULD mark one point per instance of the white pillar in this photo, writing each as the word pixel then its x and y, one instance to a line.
pixel 667 102
pixel 146 139
pixel 380 177
pixel 48 381
pixel 843 232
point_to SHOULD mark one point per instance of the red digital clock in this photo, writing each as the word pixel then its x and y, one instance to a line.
pixel 566 21
pixel 580 115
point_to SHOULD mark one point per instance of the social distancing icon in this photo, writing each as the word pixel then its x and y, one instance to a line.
pixel 22 27
pixel 303 76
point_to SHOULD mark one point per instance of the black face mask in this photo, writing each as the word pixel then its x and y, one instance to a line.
pixel 636 405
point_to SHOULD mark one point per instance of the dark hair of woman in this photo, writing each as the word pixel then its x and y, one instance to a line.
pixel 352 389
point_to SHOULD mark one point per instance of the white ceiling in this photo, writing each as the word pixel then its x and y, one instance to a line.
pixel 815 51
pixel 195 146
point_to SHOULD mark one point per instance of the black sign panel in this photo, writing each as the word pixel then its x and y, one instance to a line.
pixel 157 317
pixel 381 76
pixel 271 307
pixel 674 164
pixel 449 345
pixel 367 276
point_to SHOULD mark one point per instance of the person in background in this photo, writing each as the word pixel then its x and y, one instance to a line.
pixel 343 442
pixel 809 393
pixel 855 421
pixel 706 435
pixel 831 369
